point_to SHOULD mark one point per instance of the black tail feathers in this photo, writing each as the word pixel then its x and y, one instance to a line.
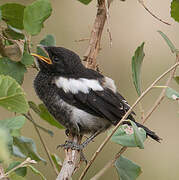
pixel 147 130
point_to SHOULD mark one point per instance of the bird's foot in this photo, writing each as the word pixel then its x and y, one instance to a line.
pixel 71 145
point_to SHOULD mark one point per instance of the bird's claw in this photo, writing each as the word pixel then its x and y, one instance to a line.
pixel 71 145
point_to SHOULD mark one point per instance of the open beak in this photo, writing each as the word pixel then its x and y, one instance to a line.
pixel 45 59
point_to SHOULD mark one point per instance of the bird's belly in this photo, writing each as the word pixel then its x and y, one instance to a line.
pixel 76 119
pixel 89 123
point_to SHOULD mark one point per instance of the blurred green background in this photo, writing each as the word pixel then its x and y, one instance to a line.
pixel 130 25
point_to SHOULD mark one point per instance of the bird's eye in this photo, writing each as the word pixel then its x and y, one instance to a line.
pixel 55 59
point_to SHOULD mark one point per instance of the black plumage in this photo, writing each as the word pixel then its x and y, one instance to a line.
pixel 81 99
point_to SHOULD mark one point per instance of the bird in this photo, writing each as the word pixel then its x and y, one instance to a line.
pixel 81 99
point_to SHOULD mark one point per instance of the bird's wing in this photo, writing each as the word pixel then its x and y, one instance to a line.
pixel 103 103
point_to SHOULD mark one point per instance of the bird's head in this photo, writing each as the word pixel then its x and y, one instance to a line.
pixel 58 60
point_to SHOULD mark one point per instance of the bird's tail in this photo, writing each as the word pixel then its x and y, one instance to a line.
pixel 150 133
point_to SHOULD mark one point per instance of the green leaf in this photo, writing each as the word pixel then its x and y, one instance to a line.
pixel 127 170
pixel 13 123
pixel 12 14
pixel 15 132
pixel 42 111
pixel 14 69
pixel 27 147
pixel 57 161
pixel 172 94
pixel 34 107
pixel 169 43
pixel 35 14
pixel 27 59
pixel 125 136
pixel 85 1
pixel 49 40
pixel 137 60
pixel 45 115
pixel 137 136
pixel 175 10
pixel 16 152
pixel 5 141
pixel 177 79
pixel 36 172
pixel 22 171
pixel 12 96
pixel 13 33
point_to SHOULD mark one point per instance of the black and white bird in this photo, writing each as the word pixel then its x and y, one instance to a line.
pixel 81 99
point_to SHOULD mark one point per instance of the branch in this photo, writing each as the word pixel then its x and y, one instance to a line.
pixel 71 161
pixel 145 7
pixel 23 164
pixel 123 119
pixel 95 38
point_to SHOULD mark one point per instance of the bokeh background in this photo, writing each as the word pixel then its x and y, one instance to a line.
pixel 130 25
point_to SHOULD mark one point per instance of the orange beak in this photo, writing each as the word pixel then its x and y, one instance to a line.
pixel 45 59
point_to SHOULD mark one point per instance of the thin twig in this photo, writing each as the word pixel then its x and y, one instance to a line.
pixel 83 39
pixel 96 33
pixel 109 164
pixel 141 110
pixel 145 7
pixel 29 116
pixel 162 94
pixel 108 23
pixel 2 176
pixel 23 164
pixel 123 119
pixel 40 127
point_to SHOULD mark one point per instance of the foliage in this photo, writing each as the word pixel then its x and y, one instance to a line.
pixel 137 60
pixel 129 137
pixel 169 43
pixel 172 94
pixel 12 14
pixel 21 22
pixel 85 1
pixel 42 111
pixel 175 10
pixel 57 161
pixel 33 18
pixel 12 96
pixel 127 170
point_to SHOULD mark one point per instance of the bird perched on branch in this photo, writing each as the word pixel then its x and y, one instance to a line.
pixel 81 99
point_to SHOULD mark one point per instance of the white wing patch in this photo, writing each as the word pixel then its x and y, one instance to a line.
pixel 78 85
